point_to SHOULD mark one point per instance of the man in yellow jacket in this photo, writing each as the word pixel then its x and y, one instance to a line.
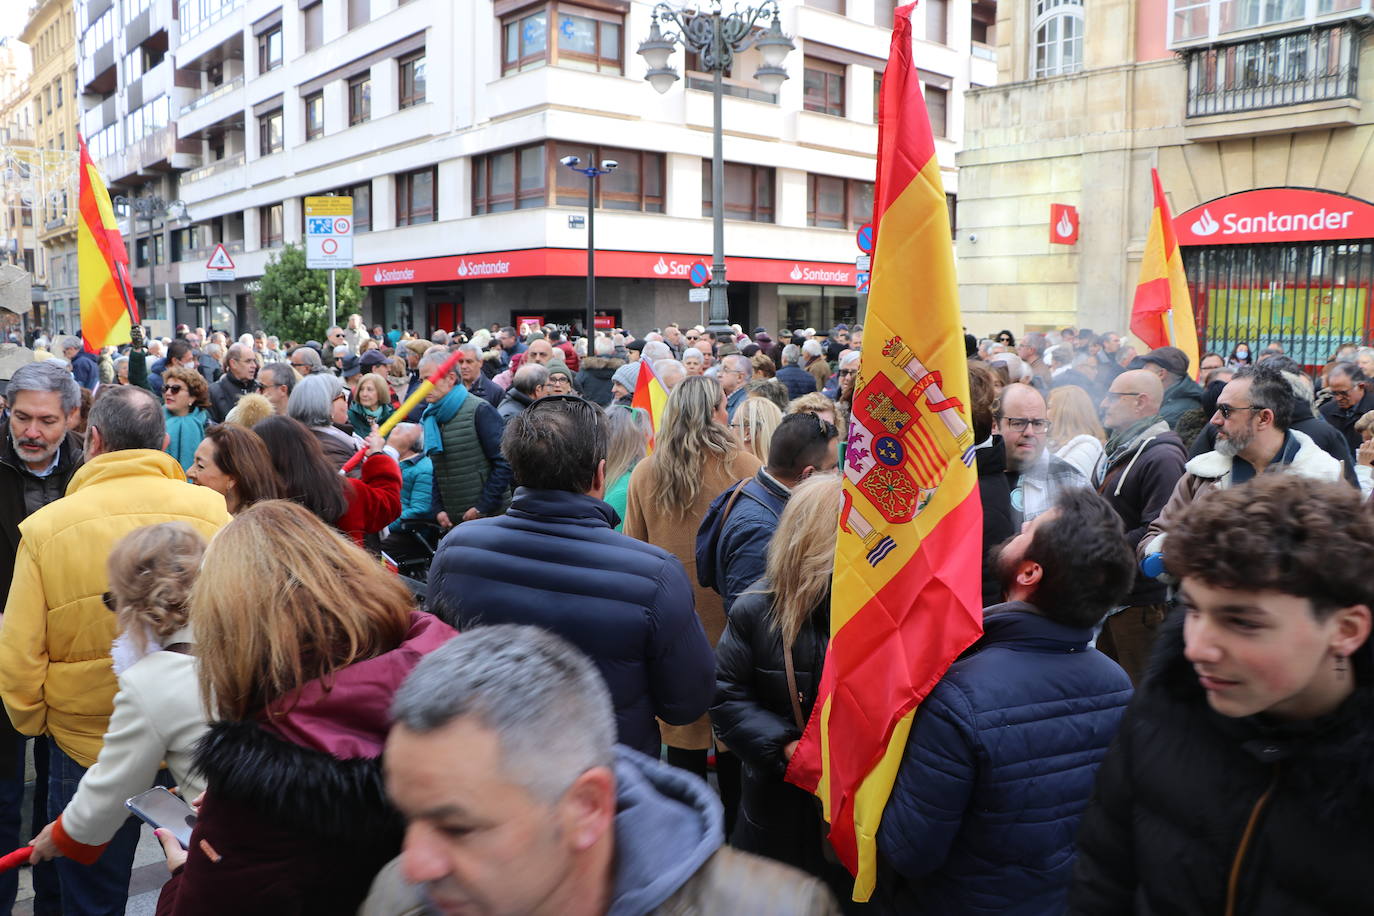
pixel 55 672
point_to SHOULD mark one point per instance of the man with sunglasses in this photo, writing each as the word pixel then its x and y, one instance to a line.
pixel 1254 436
pixel 1036 475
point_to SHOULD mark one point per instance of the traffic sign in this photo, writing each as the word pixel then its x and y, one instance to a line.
pixel 328 232
pixel 864 238
pixel 700 275
pixel 863 263
pixel 861 282
pixel 220 266
pixel 699 294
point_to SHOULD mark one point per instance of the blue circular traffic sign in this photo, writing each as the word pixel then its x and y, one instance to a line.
pixel 700 274
pixel 865 238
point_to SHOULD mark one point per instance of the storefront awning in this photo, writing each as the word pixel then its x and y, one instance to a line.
pixel 1270 215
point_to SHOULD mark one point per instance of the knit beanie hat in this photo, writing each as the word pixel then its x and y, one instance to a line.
pixel 627 375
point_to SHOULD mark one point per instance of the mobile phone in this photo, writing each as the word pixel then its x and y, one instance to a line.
pixel 159 808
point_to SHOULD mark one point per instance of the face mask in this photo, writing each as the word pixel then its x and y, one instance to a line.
pixel 1242 353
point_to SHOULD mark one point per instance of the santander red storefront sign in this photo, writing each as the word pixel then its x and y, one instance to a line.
pixel 572 262
pixel 1276 215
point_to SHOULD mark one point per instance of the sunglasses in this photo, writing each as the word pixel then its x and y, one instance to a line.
pixel 173 389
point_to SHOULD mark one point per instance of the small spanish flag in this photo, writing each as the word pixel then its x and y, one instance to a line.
pixel 1162 313
pixel 651 395
pixel 905 599
pixel 108 312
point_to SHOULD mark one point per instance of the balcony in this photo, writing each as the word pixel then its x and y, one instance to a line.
pixel 218 92
pixel 1205 22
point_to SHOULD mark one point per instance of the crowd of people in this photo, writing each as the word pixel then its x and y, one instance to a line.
pixel 583 694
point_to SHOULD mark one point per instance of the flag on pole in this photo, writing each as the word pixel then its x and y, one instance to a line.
pixel 1162 313
pixel 906 598
pixel 651 395
pixel 107 302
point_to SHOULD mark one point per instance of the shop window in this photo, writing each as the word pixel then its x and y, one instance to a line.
pixel 360 99
pixel 314 116
pixel 937 21
pixel 513 179
pixel 748 192
pixel 416 197
pixel 412 73
pixel 838 203
pixel 270 133
pixel 1058 37
pixel 636 184
pixel 270 226
pixel 823 87
pixel 312 22
pixel 269 49
pixel 937 106
pixel 580 38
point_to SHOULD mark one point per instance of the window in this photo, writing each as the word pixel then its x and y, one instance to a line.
pixel 952 202
pixel 57 90
pixel 270 226
pixel 269 133
pixel 362 205
pixel 748 192
pixel 582 39
pixel 823 87
pixel 937 21
pixel 412 69
pixel 512 179
pixel 360 99
pixel 983 23
pixel 416 197
pixel 1058 32
pixel 636 184
pixel 838 203
pixel 47 100
pixel 314 116
pixel 936 107
pixel 312 21
pixel 882 12
pixel 1248 14
pixel 877 94
pixel 359 13
pixel 269 49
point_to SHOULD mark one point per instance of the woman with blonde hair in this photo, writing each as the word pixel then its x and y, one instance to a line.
pixel 186 410
pixel 1076 433
pixel 628 437
pixel 768 669
pixel 295 817
pixel 695 458
pixel 157 712
pixel 371 404
pixel 754 423
pixel 764 367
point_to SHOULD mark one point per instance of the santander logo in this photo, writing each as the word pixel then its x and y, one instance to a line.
pixel 796 273
pixel 673 268
pixel 1063 228
pixel 661 268
pixel 483 268
pixel 819 275
pixel 1205 224
pixel 393 276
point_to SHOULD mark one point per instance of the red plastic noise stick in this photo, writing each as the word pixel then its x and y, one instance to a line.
pixel 15 859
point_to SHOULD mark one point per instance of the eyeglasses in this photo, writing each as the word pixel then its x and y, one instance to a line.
pixel 694 337
pixel 173 389
pixel 1226 410
pixel 1020 423
pixel 848 372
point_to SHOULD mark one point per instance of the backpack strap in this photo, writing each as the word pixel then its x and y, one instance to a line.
pixel 730 503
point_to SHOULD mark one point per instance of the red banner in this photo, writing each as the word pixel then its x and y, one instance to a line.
pixel 1276 215
pixel 572 262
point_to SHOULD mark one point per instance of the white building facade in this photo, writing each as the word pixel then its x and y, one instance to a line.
pixel 445 121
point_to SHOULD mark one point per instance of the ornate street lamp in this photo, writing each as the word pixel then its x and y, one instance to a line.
pixel 716 37
pixel 593 172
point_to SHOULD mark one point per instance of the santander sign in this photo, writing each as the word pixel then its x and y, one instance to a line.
pixel 1276 215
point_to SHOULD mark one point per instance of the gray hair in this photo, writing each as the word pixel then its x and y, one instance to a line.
pixel 128 417
pixel 690 352
pixel 310 356
pixel 791 355
pixel 214 351
pixel 655 350
pixel 738 363
pixel 279 374
pixel 272 341
pixel 472 350
pixel 46 376
pixel 669 372
pixel 412 431
pixel 528 378
pixel 604 346
pixel 65 343
pixel 434 357
pixel 312 400
pixel 544 700
pixel 812 347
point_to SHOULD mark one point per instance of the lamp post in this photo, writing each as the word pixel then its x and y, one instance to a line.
pixel 153 208
pixel 716 37
pixel 593 172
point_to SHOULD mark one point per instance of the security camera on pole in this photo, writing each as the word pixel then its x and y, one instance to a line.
pixel 329 239
pixel 593 172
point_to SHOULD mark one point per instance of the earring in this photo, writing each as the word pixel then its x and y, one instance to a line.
pixel 1340 666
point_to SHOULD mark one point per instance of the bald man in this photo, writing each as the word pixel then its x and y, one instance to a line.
pixel 1143 463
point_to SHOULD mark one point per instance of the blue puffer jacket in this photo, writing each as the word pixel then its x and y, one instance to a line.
pixel 742 549
pixel 417 485
pixel 998 769
pixel 554 560
pixel 797 380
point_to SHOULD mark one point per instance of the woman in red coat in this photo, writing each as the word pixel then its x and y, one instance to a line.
pixel 359 507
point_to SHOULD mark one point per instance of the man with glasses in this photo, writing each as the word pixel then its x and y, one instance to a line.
pixel 1254 435
pixel 1144 460
pixel 1037 476
pixel 306 361
pixel 557 562
pixel 240 378
pixel 335 338
pixel 733 374
pixel 1351 398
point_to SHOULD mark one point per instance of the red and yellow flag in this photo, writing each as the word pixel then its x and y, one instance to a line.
pixel 651 395
pixel 1162 313
pixel 906 598
pixel 107 301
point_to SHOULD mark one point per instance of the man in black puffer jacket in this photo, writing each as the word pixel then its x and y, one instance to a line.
pixel 555 560
pixel 1242 777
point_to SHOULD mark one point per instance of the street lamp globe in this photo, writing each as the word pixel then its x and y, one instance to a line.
pixel 773 45
pixel 661 79
pixel 656 49
pixel 770 78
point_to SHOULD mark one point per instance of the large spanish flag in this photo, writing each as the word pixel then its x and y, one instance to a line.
pixel 651 395
pixel 906 598
pixel 1162 313
pixel 107 301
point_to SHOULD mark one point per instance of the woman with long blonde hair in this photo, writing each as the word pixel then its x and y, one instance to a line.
pixel 754 423
pixel 762 701
pixel 303 640
pixel 627 442
pixel 695 458
pixel 1076 434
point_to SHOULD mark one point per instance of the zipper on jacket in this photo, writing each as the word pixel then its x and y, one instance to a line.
pixel 1233 882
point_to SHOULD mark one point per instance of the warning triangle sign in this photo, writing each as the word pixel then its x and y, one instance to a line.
pixel 220 259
